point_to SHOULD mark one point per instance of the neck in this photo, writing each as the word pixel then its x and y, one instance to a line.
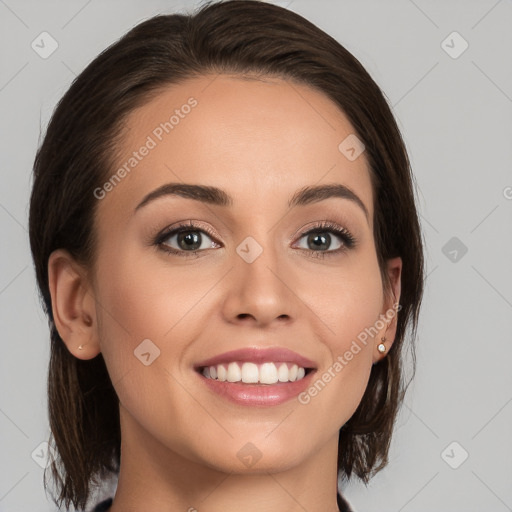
pixel 155 478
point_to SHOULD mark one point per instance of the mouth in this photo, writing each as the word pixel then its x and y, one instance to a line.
pixel 257 376
pixel 271 387
pixel 251 373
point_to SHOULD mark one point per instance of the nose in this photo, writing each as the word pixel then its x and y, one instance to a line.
pixel 260 290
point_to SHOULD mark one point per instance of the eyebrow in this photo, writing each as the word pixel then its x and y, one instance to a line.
pixel 218 197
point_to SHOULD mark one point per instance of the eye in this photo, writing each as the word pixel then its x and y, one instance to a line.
pixel 319 240
pixel 188 240
pixel 185 240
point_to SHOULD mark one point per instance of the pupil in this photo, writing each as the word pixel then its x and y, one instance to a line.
pixel 192 241
pixel 320 241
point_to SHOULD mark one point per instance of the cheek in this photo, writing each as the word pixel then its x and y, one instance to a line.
pixel 141 297
pixel 136 303
pixel 347 313
pixel 347 300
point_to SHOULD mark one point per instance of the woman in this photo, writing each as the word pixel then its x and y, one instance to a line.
pixel 252 372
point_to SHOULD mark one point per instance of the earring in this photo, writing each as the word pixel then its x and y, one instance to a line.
pixel 381 347
pixel 80 347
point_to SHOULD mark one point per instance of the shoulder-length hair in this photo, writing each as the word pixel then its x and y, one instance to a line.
pixel 77 155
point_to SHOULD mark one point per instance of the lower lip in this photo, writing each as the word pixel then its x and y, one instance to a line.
pixel 261 395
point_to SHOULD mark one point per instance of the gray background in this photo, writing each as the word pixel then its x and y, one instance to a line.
pixel 455 114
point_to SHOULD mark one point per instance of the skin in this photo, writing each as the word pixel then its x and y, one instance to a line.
pixel 260 141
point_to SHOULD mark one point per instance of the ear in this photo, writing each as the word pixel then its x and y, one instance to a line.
pixel 73 305
pixel 390 309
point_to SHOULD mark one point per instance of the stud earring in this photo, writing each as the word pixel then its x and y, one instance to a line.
pixel 80 347
pixel 381 347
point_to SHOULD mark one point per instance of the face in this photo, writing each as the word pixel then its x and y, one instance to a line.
pixel 244 274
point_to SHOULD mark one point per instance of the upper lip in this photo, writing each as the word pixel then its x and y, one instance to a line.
pixel 258 355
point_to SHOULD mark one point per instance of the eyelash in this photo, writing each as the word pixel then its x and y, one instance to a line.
pixel 348 240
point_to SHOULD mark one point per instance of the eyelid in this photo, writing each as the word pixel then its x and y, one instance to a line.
pixel 193 225
pixel 325 224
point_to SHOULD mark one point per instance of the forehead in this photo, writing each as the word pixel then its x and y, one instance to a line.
pixel 253 138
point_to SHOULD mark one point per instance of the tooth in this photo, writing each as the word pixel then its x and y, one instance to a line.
pixel 221 373
pixel 268 373
pixel 234 373
pixel 250 373
pixel 282 373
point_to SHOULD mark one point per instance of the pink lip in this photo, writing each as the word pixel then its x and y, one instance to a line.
pixel 261 395
pixel 258 356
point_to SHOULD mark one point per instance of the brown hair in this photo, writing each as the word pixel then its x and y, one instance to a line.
pixel 79 150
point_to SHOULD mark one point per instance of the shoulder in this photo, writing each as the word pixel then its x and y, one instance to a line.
pixel 103 506
pixel 343 504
